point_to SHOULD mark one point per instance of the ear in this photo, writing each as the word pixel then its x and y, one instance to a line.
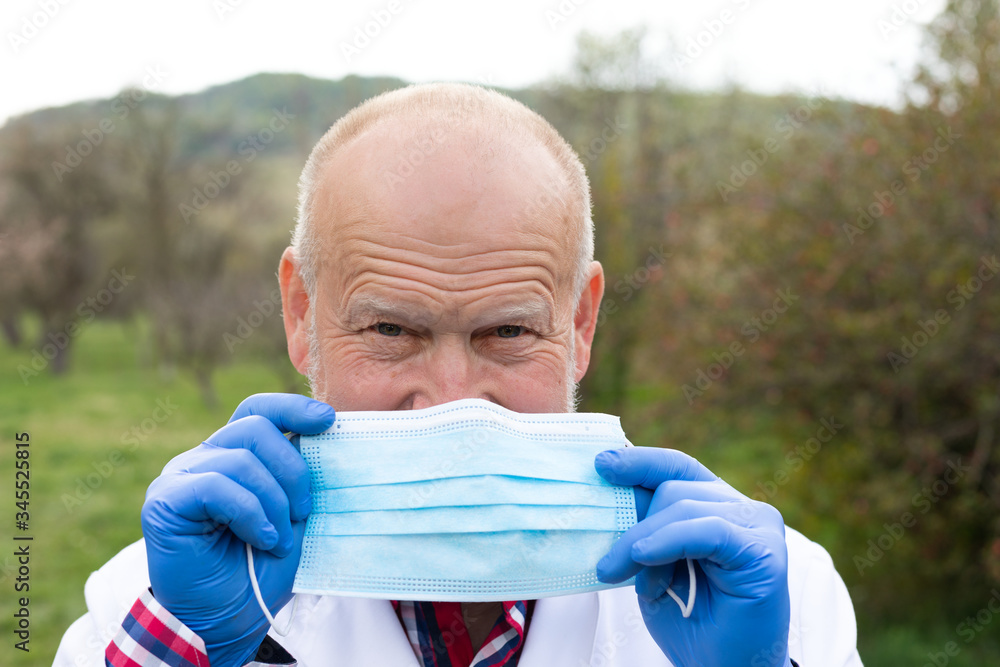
pixel 585 321
pixel 295 310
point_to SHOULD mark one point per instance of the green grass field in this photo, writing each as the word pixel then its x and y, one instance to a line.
pixel 87 483
pixel 89 473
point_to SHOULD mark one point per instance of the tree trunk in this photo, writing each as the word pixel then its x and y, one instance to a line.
pixel 11 331
pixel 60 362
pixel 206 387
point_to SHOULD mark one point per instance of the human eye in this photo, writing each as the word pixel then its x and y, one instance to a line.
pixel 388 329
pixel 510 330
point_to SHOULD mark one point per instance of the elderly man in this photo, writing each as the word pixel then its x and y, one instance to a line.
pixel 444 250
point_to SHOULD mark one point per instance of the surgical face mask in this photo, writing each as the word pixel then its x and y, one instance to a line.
pixel 465 501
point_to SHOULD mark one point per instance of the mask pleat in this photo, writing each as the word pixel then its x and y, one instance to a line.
pixel 465 501
pixel 473 490
pixel 480 566
pixel 446 454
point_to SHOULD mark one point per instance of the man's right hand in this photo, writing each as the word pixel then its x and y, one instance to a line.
pixel 245 484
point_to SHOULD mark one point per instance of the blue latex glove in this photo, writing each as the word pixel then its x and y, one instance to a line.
pixel 741 611
pixel 245 484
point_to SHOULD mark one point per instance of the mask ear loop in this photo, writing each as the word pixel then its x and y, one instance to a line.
pixel 260 598
pixel 692 586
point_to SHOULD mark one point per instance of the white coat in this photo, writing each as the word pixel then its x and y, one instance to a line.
pixel 602 629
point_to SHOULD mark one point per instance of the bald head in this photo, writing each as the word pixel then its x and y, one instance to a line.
pixel 426 121
pixel 443 251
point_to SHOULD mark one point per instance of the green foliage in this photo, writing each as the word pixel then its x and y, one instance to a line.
pixel 825 264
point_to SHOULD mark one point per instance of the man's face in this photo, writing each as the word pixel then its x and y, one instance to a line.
pixel 454 281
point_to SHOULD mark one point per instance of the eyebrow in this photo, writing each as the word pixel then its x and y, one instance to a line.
pixel 531 310
pixel 370 306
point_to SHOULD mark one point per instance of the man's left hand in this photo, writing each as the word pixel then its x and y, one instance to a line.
pixel 741 610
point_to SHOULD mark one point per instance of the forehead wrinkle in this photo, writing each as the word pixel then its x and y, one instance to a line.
pixel 358 246
pixel 360 225
pixel 457 276
pixel 460 251
pixel 359 261
pixel 532 240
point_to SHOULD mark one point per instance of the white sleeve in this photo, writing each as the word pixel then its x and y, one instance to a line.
pixel 81 645
pixel 823 630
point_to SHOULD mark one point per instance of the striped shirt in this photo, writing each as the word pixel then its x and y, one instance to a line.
pixel 440 638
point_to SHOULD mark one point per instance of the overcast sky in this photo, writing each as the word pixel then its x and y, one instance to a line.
pixel 59 51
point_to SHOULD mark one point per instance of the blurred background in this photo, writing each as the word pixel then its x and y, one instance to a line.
pixel 796 208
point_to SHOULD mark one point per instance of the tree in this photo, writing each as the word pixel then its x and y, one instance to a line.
pixel 53 201
pixel 885 228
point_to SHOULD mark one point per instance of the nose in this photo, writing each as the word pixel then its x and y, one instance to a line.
pixel 451 372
